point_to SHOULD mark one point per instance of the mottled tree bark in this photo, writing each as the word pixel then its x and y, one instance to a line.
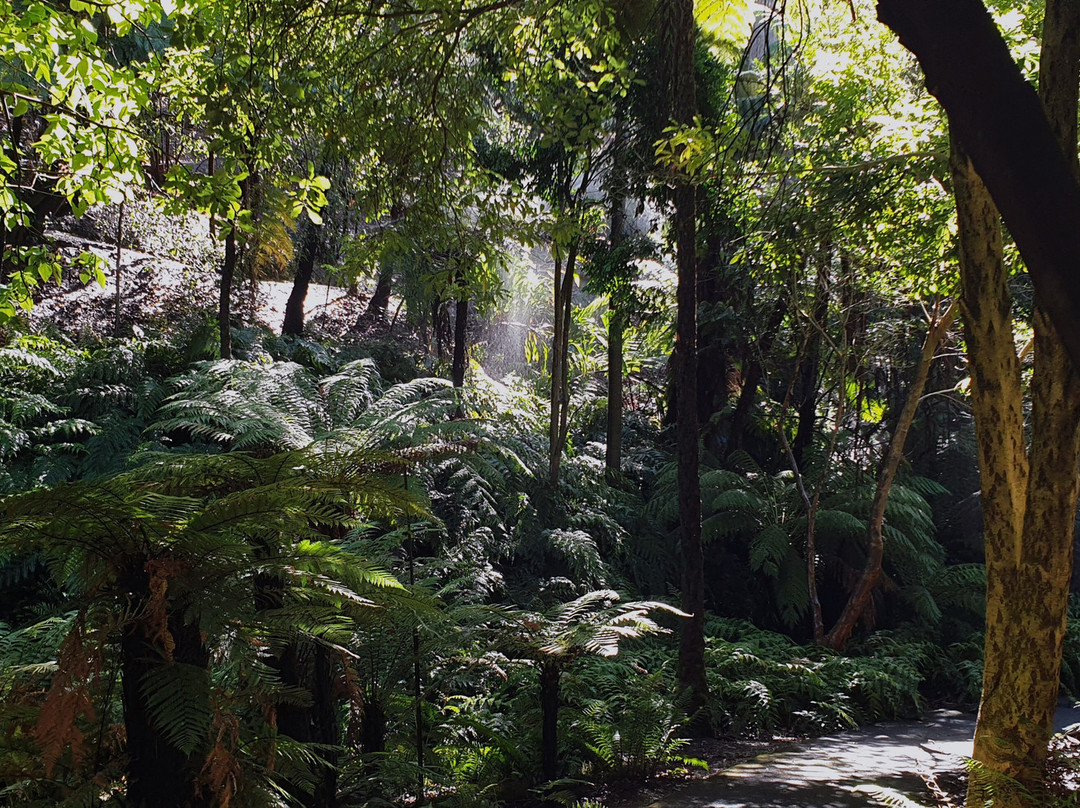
pixel 1028 574
pixel 1029 502
pixel 1024 149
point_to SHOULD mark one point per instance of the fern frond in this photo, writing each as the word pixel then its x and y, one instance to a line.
pixel 178 700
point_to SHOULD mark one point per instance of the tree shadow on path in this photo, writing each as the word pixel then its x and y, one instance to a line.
pixel 835 771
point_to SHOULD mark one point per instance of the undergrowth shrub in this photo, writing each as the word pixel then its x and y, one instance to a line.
pixel 631 725
pixel 762 682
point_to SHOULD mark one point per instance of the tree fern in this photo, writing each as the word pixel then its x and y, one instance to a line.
pixel 199 529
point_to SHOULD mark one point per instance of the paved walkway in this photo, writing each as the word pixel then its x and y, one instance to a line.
pixel 838 771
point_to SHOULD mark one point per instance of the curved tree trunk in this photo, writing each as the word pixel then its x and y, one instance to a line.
pixel 890 464
pixel 1029 564
pixel 1025 153
pixel 305 271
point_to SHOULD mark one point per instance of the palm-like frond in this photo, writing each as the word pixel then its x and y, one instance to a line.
pixel 596 623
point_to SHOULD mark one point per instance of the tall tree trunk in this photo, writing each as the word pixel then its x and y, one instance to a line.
pixel 871 573
pixel 679 19
pixel 1029 501
pixel 558 358
pixel 563 300
pixel 616 333
pixel 228 272
pixel 305 271
pixel 558 426
pixel 568 308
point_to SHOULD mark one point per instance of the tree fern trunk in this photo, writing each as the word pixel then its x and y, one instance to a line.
pixel 549 728
pixel 326 726
pixel 159 775
pixel 461 334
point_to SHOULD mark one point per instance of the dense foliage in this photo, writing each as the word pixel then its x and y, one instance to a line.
pixel 425 545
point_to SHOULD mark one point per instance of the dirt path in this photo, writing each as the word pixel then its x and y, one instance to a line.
pixel 839 771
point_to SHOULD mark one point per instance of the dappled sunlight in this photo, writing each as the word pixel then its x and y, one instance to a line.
pixel 847 769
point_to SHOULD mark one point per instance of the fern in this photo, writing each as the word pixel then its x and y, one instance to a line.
pixel 632 728
pixel 769 549
pixel 178 698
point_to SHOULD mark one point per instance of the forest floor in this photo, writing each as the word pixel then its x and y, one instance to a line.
pixel 156 289
pixel 922 760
